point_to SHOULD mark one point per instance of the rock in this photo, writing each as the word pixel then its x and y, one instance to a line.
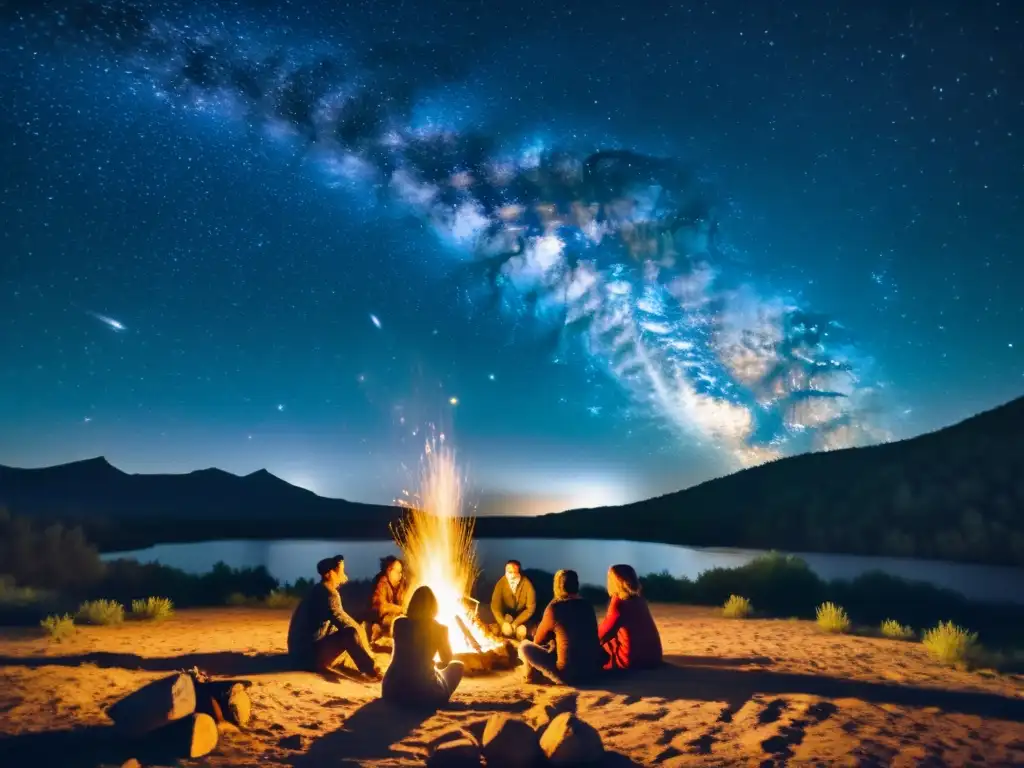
pixel 193 736
pixel 295 741
pixel 509 742
pixel 155 705
pixel 456 753
pixel 452 734
pixel 570 741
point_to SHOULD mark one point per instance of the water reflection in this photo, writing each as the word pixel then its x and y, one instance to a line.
pixel 290 560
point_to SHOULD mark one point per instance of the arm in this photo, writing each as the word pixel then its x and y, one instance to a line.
pixel 444 646
pixel 497 604
pixel 547 626
pixel 336 613
pixel 381 605
pixel 531 603
pixel 612 622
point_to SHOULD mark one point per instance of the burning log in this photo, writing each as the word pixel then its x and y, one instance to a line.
pixel 468 635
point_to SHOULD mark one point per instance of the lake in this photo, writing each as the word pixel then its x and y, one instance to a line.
pixel 290 560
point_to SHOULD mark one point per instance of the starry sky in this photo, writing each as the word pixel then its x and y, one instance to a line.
pixel 607 250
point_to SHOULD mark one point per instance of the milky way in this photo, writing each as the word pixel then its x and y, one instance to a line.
pixel 623 252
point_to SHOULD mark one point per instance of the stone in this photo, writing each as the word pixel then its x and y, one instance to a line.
pixel 509 742
pixel 452 734
pixel 456 753
pixel 226 701
pixel 193 736
pixel 567 740
pixel 154 705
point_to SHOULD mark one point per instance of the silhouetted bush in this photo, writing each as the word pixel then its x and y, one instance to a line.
pixel 55 558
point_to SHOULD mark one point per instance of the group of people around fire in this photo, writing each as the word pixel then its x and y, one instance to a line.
pixel 565 645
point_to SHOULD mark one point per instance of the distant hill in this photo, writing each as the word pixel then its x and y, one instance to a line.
pixel 954 494
pixel 119 510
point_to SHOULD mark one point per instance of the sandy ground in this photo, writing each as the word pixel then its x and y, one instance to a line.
pixel 735 693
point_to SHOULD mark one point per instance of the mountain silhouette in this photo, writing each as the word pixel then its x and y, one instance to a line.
pixel 954 494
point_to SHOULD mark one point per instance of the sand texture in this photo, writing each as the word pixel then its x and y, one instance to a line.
pixel 734 693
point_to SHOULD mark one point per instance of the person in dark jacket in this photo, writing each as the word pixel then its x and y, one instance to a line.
pixel 569 622
pixel 514 601
pixel 628 632
pixel 388 598
pixel 320 632
pixel 412 679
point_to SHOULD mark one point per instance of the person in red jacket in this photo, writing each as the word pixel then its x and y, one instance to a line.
pixel 628 632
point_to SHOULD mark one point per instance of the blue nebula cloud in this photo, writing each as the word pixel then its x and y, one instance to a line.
pixel 621 251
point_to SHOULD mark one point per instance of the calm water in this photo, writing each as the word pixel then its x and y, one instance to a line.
pixel 290 560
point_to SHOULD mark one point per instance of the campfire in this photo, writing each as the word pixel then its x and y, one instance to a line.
pixel 437 543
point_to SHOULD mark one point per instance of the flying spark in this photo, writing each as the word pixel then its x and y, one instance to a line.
pixel 375 320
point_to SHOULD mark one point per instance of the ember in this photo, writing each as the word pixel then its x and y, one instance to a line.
pixel 437 542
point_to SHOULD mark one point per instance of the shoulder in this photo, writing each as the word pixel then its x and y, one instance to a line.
pixel 526 581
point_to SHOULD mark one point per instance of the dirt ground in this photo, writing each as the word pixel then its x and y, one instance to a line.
pixel 734 693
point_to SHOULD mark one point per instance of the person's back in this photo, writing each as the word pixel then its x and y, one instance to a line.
pixel 307 624
pixel 412 678
pixel 630 634
pixel 574 625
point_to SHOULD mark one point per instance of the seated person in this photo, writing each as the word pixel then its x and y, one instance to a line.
pixel 514 601
pixel 570 622
pixel 628 632
pixel 412 680
pixel 320 632
pixel 388 597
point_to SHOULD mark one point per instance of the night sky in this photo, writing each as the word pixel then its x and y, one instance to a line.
pixel 609 252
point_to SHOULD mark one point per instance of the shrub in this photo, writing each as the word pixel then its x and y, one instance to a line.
pixel 281 600
pixel 736 607
pixel 949 643
pixel 832 618
pixel 238 599
pixel 152 608
pixel 100 612
pixel 896 631
pixel 58 627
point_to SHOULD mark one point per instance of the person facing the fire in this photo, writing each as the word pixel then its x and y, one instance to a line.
pixel 320 632
pixel 412 679
pixel 388 599
pixel 566 649
pixel 628 632
pixel 514 601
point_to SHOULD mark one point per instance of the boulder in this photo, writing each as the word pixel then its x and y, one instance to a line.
pixel 226 701
pixel 453 734
pixel 456 753
pixel 193 736
pixel 154 705
pixel 509 742
pixel 567 740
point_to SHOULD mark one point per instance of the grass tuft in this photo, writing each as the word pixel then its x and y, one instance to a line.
pixel 895 631
pixel 104 613
pixel 737 607
pixel 832 618
pixel 152 608
pixel 58 628
pixel 950 644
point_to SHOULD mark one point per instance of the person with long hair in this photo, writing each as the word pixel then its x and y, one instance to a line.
pixel 387 598
pixel 412 679
pixel 628 633
pixel 565 649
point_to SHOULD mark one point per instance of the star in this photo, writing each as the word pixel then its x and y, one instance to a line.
pixel 375 320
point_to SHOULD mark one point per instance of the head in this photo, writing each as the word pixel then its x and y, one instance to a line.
pixel 422 604
pixel 392 567
pixel 623 582
pixel 513 570
pixel 567 584
pixel 332 571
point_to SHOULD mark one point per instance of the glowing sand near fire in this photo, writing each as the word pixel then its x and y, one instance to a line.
pixel 437 543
